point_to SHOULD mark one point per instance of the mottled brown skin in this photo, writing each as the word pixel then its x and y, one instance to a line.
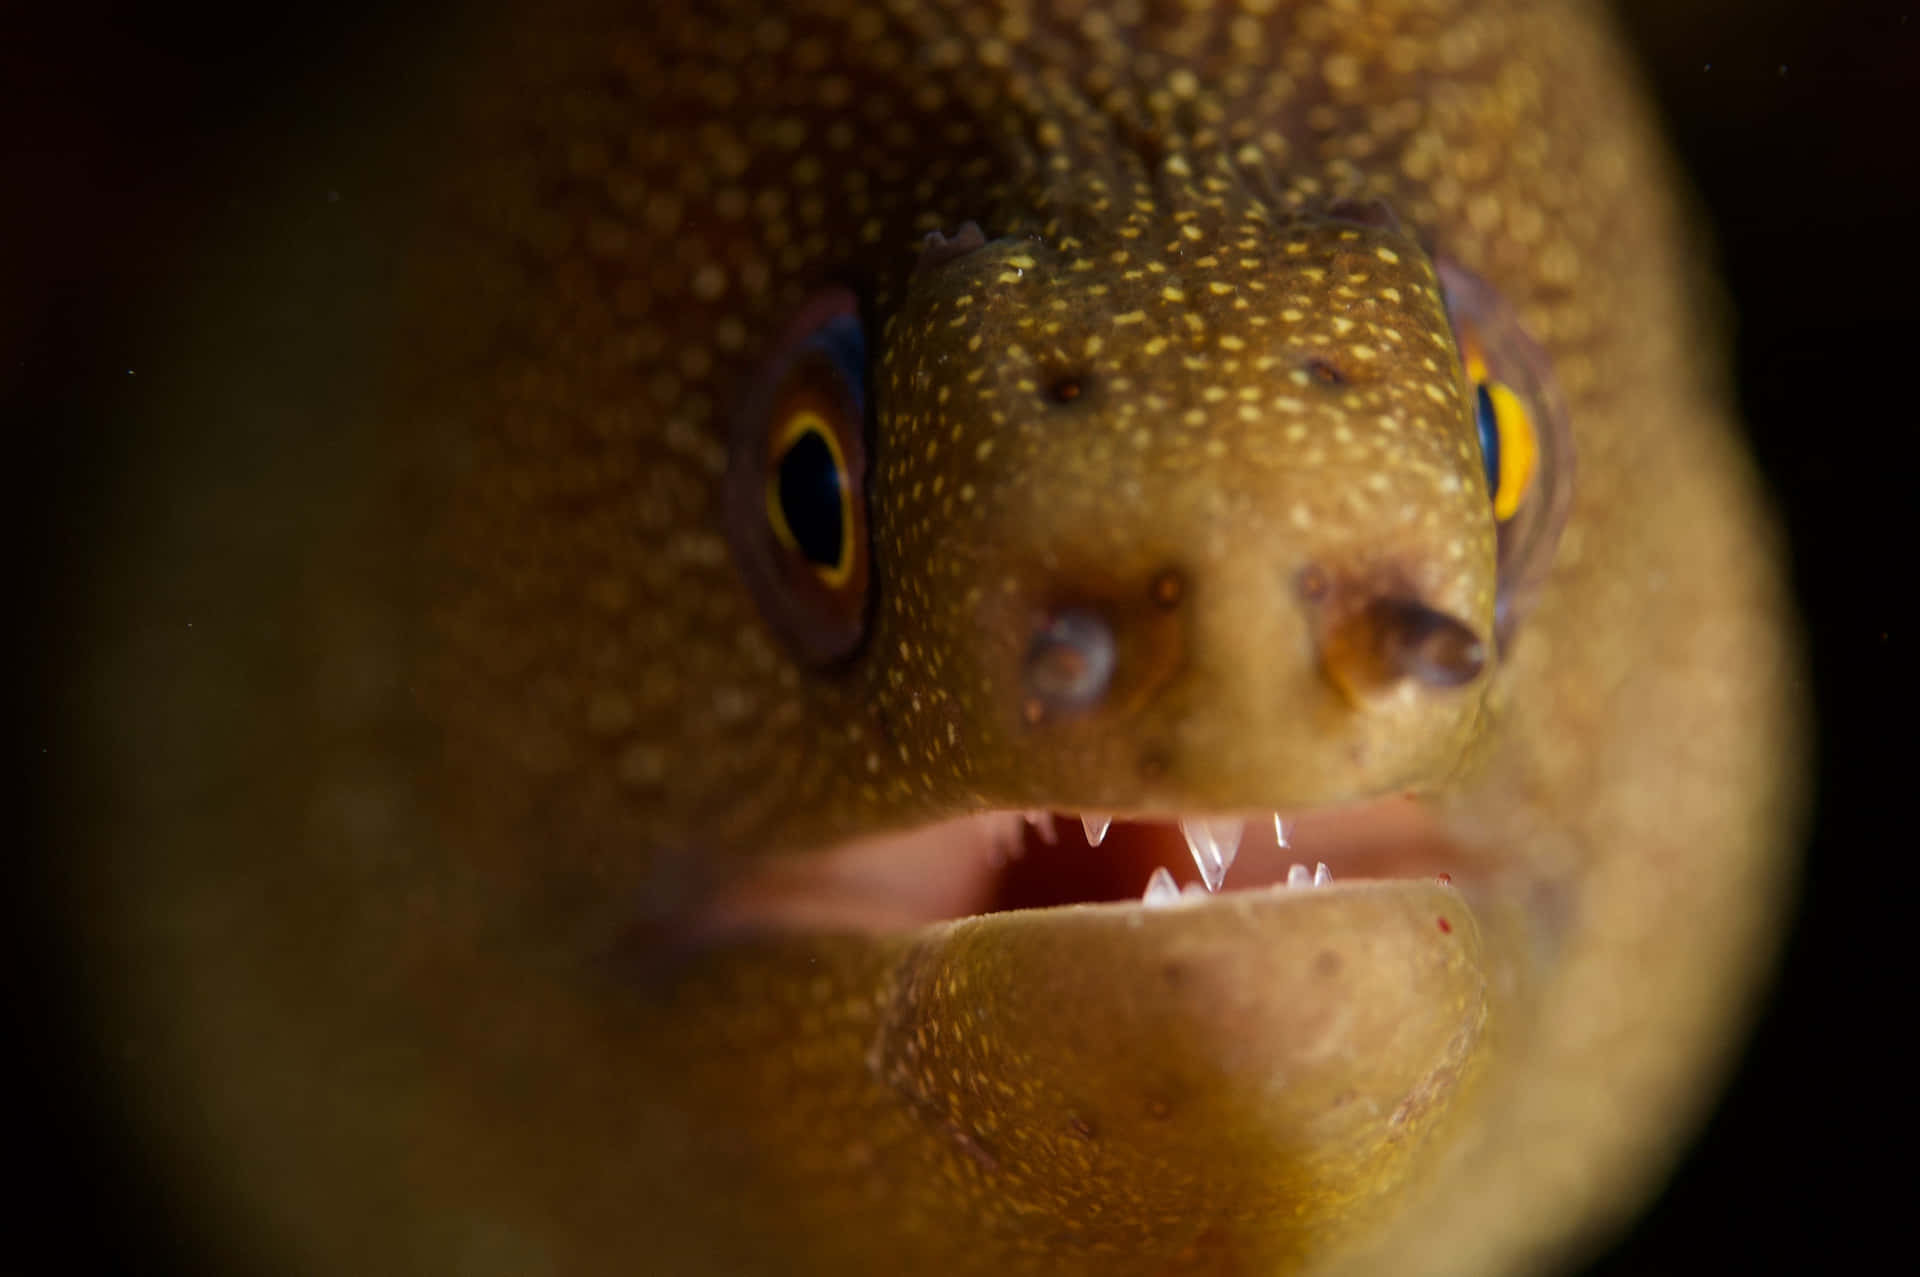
pixel 395 919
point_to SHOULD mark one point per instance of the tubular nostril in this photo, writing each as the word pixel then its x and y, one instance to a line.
pixel 1429 646
pixel 1365 212
pixel 939 248
pixel 1368 644
pixel 1070 661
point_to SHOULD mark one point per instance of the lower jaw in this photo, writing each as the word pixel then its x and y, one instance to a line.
pixel 1002 861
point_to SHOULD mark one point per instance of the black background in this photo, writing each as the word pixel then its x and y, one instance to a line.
pixel 1800 126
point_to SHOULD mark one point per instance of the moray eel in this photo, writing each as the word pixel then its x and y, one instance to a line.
pixel 670 736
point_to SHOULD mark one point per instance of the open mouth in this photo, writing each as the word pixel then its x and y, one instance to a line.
pixel 1005 860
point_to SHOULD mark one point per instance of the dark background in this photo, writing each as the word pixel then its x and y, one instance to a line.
pixel 124 130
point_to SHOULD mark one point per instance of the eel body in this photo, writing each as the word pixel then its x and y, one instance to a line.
pixel 563 844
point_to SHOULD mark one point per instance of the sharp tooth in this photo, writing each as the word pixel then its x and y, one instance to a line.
pixel 1042 822
pixel 1194 889
pixel 1227 833
pixel 1205 855
pixel 1214 844
pixel 1096 827
pixel 1322 875
pixel 1280 830
pixel 1226 841
pixel 1299 877
pixel 1160 889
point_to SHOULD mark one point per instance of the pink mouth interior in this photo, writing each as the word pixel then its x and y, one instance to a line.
pixel 997 861
pixel 1389 838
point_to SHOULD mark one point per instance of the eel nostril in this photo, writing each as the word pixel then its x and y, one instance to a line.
pixel 1373 212
pixel 1070 661
pixel 1426 645
pixel 939 248
pixel 1371 642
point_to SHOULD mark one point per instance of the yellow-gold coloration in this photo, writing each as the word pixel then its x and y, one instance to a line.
pixel 836 574
pixel 1519 442
pixel 1519 450
pixel 524 863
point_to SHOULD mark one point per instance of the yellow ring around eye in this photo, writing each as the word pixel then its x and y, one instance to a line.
pixel 1476 362
pixel 1519 441
pixel 801 423
pixel 1519 449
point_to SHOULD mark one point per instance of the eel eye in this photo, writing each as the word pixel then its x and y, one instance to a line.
pixel 1525 443
pixel 810 498
pixel 796 476
pixel 1509 445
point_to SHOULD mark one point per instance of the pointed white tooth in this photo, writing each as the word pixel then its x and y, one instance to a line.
pixel 1096 827
pixel 1298 876
pixel 1160 889
pixel 1322 875
pixel 1280 830
pixel 1206 852
pixel 1194 889
pixel 1042 822
pixel 1226 836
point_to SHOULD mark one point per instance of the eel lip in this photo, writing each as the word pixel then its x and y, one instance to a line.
pixel 999 861
pixel 1265 1053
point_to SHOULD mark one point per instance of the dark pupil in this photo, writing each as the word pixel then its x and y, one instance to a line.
pixel 1489 436
pixel 810 499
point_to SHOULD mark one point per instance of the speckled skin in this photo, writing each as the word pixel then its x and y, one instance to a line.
pixel 415 963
